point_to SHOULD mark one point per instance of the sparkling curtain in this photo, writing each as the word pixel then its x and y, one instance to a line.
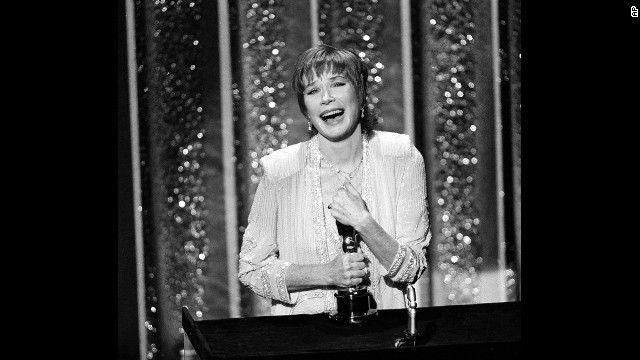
pixel 260 86
pixel 455 214
pixel 172 136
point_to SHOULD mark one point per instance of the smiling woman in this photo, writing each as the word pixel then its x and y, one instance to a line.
pixel 372 181
pixel 341 68
pixel 332 106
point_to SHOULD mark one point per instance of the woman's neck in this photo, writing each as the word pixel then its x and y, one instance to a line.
pixel 344 154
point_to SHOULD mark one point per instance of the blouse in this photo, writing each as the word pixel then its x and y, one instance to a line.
pixel 286 224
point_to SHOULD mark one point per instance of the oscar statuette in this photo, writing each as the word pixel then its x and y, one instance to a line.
pixel 353 305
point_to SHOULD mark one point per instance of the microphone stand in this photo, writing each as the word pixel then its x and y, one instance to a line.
pixel 411 335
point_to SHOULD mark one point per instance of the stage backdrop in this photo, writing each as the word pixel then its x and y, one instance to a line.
pixel 213 97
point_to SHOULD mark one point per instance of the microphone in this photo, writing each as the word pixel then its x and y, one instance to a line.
pixel 411 309
pixel 410 336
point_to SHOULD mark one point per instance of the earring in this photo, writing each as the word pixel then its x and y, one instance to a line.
pixel 362 113
pixel 309 125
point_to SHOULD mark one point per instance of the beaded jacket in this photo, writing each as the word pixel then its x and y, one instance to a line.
pixel 288 223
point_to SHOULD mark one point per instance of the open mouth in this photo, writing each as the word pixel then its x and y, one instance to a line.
pixel 330 115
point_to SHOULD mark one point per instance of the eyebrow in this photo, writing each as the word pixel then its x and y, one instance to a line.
pixel 329 78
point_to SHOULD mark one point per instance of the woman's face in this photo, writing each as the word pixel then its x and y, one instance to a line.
pixel 332 106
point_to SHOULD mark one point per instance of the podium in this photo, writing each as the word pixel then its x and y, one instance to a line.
pixel 478 331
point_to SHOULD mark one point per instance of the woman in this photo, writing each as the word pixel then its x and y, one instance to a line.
pixel 371 180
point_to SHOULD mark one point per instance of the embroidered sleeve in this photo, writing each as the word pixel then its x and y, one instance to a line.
pixel 412 223
pixel 260 269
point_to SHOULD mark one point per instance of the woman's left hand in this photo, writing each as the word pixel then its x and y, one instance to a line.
pixel 348 207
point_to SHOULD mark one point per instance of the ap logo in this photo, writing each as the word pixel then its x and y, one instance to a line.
pixel 634 11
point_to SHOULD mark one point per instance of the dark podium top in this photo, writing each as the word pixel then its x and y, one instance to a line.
pixel 485 331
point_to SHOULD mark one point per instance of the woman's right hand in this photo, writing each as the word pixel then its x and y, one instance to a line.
pixel 346 269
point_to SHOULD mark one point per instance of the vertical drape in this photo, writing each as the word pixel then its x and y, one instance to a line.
pixel 455 130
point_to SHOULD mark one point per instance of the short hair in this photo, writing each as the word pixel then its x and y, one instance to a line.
pixel 326 58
